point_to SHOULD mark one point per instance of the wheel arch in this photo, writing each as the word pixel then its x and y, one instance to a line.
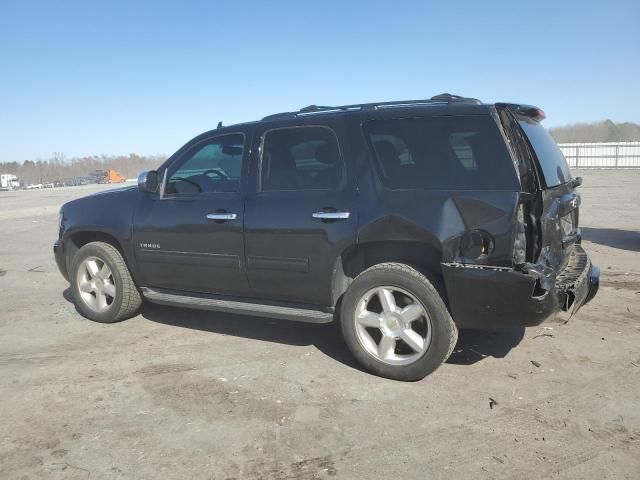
pixel 354 260
pixel 76 239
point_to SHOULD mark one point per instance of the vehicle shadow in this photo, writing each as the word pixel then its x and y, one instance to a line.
pixel 472 346
pixel 476 345
pixel 613 237
pixel 326 337
pixel 68 296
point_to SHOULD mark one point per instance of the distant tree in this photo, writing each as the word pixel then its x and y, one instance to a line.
pixel 60 168
pixel 606 131
pixel 58 157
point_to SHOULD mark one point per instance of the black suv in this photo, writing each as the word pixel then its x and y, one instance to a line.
pixel 404 221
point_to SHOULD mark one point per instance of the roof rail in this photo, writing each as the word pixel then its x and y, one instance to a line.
pixel 449 98
pixel 443 98
pixel 274 116
pixel 313 110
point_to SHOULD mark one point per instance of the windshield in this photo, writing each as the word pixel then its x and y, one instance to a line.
pixel 552 162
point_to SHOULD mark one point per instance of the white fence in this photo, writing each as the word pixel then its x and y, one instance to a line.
pixel 602 155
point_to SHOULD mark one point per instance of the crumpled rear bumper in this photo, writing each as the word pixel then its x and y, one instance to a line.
pixel 578 282
pixel 494 297
pixel 594 284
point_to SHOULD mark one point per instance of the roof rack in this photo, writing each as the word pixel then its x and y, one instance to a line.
pixel 313 110
pixel 449 98
pixel 441 99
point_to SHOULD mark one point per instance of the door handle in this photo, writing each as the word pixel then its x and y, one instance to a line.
pixel 221 216
pixel 331 215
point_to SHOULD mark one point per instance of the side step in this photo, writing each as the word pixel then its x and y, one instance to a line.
pixel 163 297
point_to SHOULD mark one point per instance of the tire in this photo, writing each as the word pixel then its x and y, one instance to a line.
pixel 100 297
pixel 367 304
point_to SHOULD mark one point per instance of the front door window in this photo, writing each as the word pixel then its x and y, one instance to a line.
pixel 213 166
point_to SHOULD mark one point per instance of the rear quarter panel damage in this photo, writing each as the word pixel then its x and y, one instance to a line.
pixel 439 219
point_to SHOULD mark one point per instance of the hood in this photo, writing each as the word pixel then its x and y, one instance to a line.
pixel 121 193
pixel 112 191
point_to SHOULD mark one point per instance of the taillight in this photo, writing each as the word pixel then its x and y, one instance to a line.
pixel 476 245
pixel 520 240
pixel 566 224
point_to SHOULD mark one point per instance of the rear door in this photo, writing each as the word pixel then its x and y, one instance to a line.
pixel 303 214
pixel 190 238
pixel 558 214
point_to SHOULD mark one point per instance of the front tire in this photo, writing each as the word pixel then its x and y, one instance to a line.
pixel 395 322
pixel 102 287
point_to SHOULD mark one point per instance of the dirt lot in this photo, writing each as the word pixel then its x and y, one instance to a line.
pixel 177 394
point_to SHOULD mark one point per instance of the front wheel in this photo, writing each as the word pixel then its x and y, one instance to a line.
pixel 102 286
pixel 395 322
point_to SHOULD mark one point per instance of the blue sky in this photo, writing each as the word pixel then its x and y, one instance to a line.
pixel 92 77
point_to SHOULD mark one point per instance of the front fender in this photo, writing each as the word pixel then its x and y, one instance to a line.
pixel 108 215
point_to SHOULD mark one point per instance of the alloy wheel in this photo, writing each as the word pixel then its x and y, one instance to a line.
pixel 96 284
pixel 392 325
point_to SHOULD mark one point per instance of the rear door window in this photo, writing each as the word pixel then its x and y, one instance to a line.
pixel 552 162
pixel 441 152
pixel 300 158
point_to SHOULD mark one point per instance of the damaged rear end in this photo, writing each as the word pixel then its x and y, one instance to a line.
pixel 549 271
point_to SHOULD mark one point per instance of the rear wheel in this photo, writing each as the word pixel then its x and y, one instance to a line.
pixel 395 322
pixel 102 286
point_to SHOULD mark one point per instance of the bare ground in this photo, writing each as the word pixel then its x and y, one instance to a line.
pixel 177 394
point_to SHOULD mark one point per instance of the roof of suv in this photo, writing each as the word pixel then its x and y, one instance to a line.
pixel 443 103
pixel 444 99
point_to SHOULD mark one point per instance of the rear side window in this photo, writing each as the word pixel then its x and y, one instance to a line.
pixel 552 162
pixel 300 158
pixel 441 152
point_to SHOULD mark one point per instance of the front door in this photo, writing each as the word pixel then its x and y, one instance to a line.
pixel 190 237
pixel 302 216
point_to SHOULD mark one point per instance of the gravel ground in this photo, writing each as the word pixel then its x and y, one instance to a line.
pixel 177 394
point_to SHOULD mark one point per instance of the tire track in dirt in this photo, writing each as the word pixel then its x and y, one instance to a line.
pixel 493 435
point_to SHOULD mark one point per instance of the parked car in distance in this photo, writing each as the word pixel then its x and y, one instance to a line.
pixel 404 221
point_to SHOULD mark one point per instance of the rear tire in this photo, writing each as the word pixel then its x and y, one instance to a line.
pixel 102 287
pixel 395 322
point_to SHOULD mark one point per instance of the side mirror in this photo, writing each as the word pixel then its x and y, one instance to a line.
pixel 148 181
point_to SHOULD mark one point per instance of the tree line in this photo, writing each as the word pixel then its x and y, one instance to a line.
pixel 60 169
pixel 606 131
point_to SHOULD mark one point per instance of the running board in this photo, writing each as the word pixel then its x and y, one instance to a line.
pixel 239 307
